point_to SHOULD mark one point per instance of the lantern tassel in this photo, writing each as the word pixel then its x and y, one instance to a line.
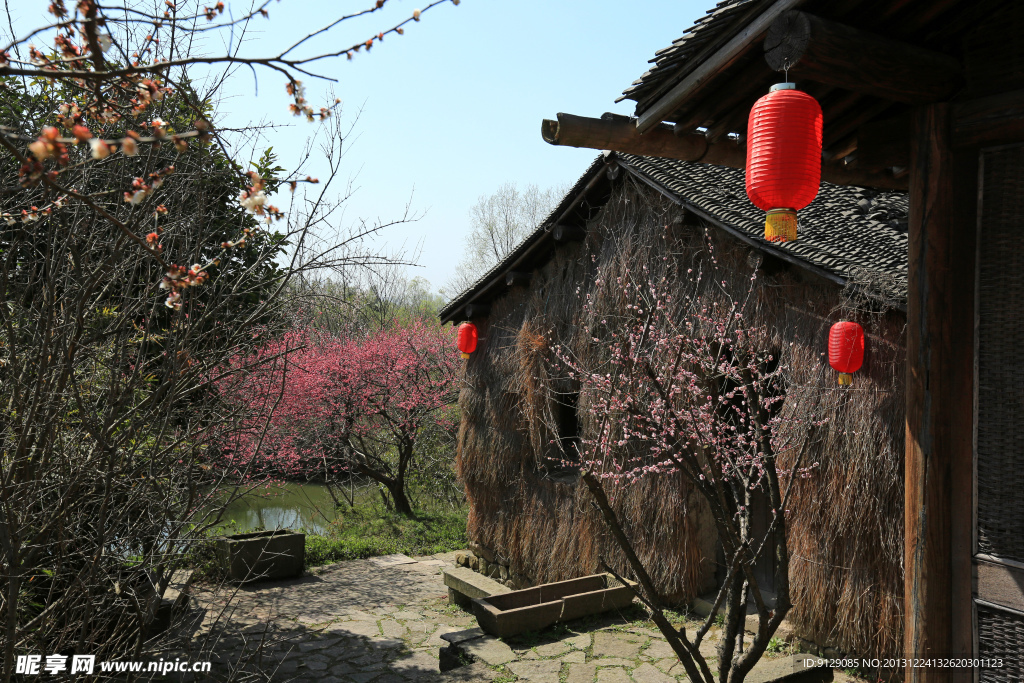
pixel 465 355
pixel 845 379
pixel 780 226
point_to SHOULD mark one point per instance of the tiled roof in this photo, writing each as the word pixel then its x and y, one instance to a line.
pixel 846 233
pixel 670 63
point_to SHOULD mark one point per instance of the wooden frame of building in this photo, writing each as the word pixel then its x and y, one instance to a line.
pixel 850 262
pixel 930 93
pixel 927 95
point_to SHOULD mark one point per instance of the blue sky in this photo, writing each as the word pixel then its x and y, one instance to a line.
pixel 453 108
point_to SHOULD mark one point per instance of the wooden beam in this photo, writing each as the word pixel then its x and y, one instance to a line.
pixel 710 67
pixel 732 122
pixel 568 233
pixel 840 150
pixel 885 143
pixel 752 79
pixel 517 277
pixel 477 311
pixel 618 136
pixel 989 119
pixel 960 409
pixel 836 130
pixel 939 395
pixel 827 52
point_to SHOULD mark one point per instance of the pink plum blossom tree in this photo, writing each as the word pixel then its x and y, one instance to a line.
pixel 346 404
pixel 686 384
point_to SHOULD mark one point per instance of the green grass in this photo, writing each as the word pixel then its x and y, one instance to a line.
pixel 369 531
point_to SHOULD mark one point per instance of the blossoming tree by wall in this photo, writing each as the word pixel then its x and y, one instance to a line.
pixel 685 384
pixel 139 251
pixel 348 405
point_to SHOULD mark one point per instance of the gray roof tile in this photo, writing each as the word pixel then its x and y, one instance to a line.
pixel 845 232
pixel 670 63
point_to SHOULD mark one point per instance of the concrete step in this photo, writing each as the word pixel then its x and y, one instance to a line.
pixel 464 585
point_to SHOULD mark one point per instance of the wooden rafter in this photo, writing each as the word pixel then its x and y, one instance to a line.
pixel 829 52
pixel 620 135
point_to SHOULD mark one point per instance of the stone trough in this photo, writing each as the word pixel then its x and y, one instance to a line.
pixel 262 555
pixel 536 608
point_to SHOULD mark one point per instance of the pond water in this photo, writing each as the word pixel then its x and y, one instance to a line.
pixel 289 505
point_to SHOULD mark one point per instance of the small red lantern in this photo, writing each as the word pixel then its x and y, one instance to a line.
pixel 783 157
pixel 467 339
pixel 846 349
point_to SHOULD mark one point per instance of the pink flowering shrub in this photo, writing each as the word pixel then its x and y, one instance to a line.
pixel 346 404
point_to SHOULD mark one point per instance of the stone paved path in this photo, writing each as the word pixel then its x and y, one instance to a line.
pixel 365 621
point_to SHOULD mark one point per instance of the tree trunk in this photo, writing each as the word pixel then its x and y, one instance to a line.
pixel 401 501
pixel 397 487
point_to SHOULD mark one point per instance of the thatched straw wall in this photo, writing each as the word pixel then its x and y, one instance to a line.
pixel 846 525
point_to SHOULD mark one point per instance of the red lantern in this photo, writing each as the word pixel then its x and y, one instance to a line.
pixel 846 349
pixel 467 339
pixel 783 157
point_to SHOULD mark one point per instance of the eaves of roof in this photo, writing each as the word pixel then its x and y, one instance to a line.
pixel 540 241
pixel 845 230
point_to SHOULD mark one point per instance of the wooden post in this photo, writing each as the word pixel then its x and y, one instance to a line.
pixel 939 402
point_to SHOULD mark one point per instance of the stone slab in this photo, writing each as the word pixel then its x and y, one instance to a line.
pixel 581 673
pixel 612 661
pixel 392 560
pixel 553 649
pixel 647 673
pixel 489 649
pixel 703 605
pixel 613 675
pixel 538 671
pixel 790 669
pixel 468 583
pixel 457 637
pixel 179 588
pixel 612 644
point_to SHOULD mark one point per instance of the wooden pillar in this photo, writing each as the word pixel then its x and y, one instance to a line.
pixel 939 425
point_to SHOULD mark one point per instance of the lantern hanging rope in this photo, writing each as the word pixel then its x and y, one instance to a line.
pixel 783 157
pixel 467 339
pixel 846 349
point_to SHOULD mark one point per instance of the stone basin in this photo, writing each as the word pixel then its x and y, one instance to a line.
pixel 533 609
pixel 260 555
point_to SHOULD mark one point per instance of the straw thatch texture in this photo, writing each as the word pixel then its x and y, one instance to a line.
pixel 846 525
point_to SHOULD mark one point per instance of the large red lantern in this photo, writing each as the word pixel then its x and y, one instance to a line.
pixel 846 349
pixel 783 157
pixel 467 339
